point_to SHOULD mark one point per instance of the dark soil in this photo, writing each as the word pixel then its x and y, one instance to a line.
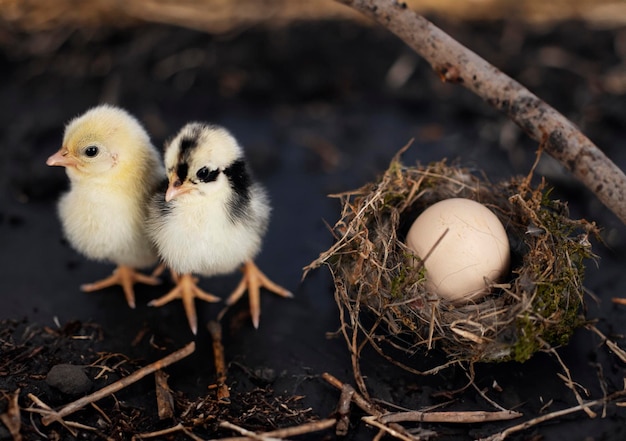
pixel 313 109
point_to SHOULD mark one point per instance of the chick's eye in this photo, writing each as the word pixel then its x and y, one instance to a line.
pixel 206 175
pixel 203 173
pixel 92 151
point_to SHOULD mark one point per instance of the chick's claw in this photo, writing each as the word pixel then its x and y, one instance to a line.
pixel 252 281
pixel 126 277
pixel 187 290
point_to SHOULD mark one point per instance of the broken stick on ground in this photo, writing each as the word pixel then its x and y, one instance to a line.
pixel 164 397
pixel 11 418
pixel 223 393
pixel 279 434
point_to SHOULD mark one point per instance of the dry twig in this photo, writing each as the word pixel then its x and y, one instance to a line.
pixel 223 393
pixel 279 434
pixel 356 397
pixel 169 431
pixel 247 433
pixel 47 411
pixel 165 399
pixel 455 63
pixel 569 382
pixel 553 415
pixel 343 410
pixel 462 417
pixel 402 435
pixel 11 418
pixel 621 354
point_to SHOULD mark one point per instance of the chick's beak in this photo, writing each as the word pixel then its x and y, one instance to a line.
pixel 176 188
pixel 62 158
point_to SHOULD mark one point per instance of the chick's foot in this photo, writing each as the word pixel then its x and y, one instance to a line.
pixel 187 290
pixel 126 277
pixel 252 281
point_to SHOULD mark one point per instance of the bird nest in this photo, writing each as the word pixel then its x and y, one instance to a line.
pixel 381 293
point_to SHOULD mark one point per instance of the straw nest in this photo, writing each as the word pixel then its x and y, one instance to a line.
pixel 381 293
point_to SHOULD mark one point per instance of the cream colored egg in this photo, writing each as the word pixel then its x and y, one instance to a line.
pixel 474 250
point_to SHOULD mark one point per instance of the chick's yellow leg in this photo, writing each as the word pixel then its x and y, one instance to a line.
pixel 187 290
pixel 124 276
pixel 253 279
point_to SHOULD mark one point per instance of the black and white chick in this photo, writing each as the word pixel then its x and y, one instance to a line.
pixel 211 219
pixel 113 170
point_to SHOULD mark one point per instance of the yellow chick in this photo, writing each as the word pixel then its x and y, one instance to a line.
pixel 113 170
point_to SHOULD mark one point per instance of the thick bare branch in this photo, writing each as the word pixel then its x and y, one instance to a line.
pixel 456 64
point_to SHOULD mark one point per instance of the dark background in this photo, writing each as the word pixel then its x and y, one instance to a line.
pixel 312 105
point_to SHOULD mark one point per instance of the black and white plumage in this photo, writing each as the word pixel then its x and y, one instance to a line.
pixel 211 218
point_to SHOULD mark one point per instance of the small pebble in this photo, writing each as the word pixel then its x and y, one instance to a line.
pixel 69 379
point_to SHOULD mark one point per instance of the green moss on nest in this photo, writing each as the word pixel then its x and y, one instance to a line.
pixel 555 311
pixel 527 343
